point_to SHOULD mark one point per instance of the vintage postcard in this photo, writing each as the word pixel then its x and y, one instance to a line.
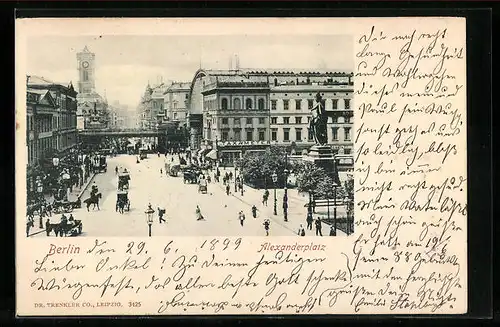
pixel 241 166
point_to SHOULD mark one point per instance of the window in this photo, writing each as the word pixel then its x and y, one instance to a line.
pixel 261 104
pixel 237 104
pixel 236 121
pixel 347 133
pixel 274 120
pixel 262 121
pixel 347 151
pixel 286 120
pixel 273 104
pixel 347 120
pixel 248 103
pixel 274 134
pixel 347 103
pixel 310 104
pixel 249 135
pixel 286 134
pixel 285 104
pixel 261 136
pixel 298 104
pixel 335 103
pixel 298 120
pixel 224 121
pixel 237 135
pixel 298 134
pixel 249 121
pixel 335 134
pixel 335 119
pixel 224 135
pixel 224 104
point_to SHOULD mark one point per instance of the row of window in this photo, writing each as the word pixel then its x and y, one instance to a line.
pixel 310 104
pixel 286 120
pixel 298 134
pixel 261 135
pixel 47 123
pixel 236 105
pixel 298 120
pixel 249 121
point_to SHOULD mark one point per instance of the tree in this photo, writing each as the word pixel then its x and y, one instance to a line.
pixel 309 177
pixel 258 167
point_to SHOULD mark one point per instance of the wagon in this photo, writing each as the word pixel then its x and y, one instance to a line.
pixel 123 181
pixel 122 201
pixel 202 186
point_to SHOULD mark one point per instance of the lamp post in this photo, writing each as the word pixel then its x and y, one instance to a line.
pixel 149 217
pixel 285 196
pixel 275 179
pixel 39 188
pixel 334 208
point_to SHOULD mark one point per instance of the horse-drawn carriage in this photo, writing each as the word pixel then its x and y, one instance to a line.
pixel 123 181
pixel 102 165
pixel 202 186
pixel 61 206
pixel 66 228
pixel 122 201
pixel 172 169
pixel 190 176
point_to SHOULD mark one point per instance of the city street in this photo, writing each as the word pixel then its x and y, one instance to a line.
pixel 148 185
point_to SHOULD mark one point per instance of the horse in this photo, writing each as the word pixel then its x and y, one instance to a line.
pixel 93 200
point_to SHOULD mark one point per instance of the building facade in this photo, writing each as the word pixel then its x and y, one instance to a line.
pixel 292 96
pixel 247 110
pixel 176 101
pixel 151 108
pixel 51 123
pixel 92 108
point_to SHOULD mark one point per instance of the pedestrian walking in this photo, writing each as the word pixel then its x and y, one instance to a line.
pixel 161 171
pixel 161 212
pixel 241 217
pixel 309 221
pixel 199 216
pixel 116 170
pixel 265 197
pixel 301 231
pixel 47 226
pixel 254 211
pixel 318 227
pixel 29 223
pixel 227 189
pixel 266 224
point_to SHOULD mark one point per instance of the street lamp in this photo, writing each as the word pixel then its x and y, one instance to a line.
pixel 335 185
pixel 275 179
pixel 40 194
pixel 285 196
pixel 149 217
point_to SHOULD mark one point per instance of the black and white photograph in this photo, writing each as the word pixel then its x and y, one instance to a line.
pixel 166 135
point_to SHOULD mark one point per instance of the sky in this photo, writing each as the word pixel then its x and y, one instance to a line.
pixel 125 64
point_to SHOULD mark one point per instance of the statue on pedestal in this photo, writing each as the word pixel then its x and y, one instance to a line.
pixel 318 122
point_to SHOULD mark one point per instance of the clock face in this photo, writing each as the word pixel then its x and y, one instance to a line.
pixel 85 64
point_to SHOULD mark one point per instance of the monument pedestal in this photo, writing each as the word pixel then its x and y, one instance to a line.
pixel 322 156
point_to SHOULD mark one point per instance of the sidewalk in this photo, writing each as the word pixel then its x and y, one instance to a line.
pixel 296 209
pixel 76 193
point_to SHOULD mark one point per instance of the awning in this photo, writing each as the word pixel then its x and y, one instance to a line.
pixel 202 152
pixel 212 154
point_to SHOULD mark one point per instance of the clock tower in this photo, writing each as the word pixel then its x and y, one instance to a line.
pixel 86 71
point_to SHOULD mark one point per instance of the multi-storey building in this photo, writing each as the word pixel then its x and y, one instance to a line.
pixel 51 122
pixel 292 96
pixel 176 101
pixel 150 110
pixel 92 108
pixel 247 110
pixel 64 117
